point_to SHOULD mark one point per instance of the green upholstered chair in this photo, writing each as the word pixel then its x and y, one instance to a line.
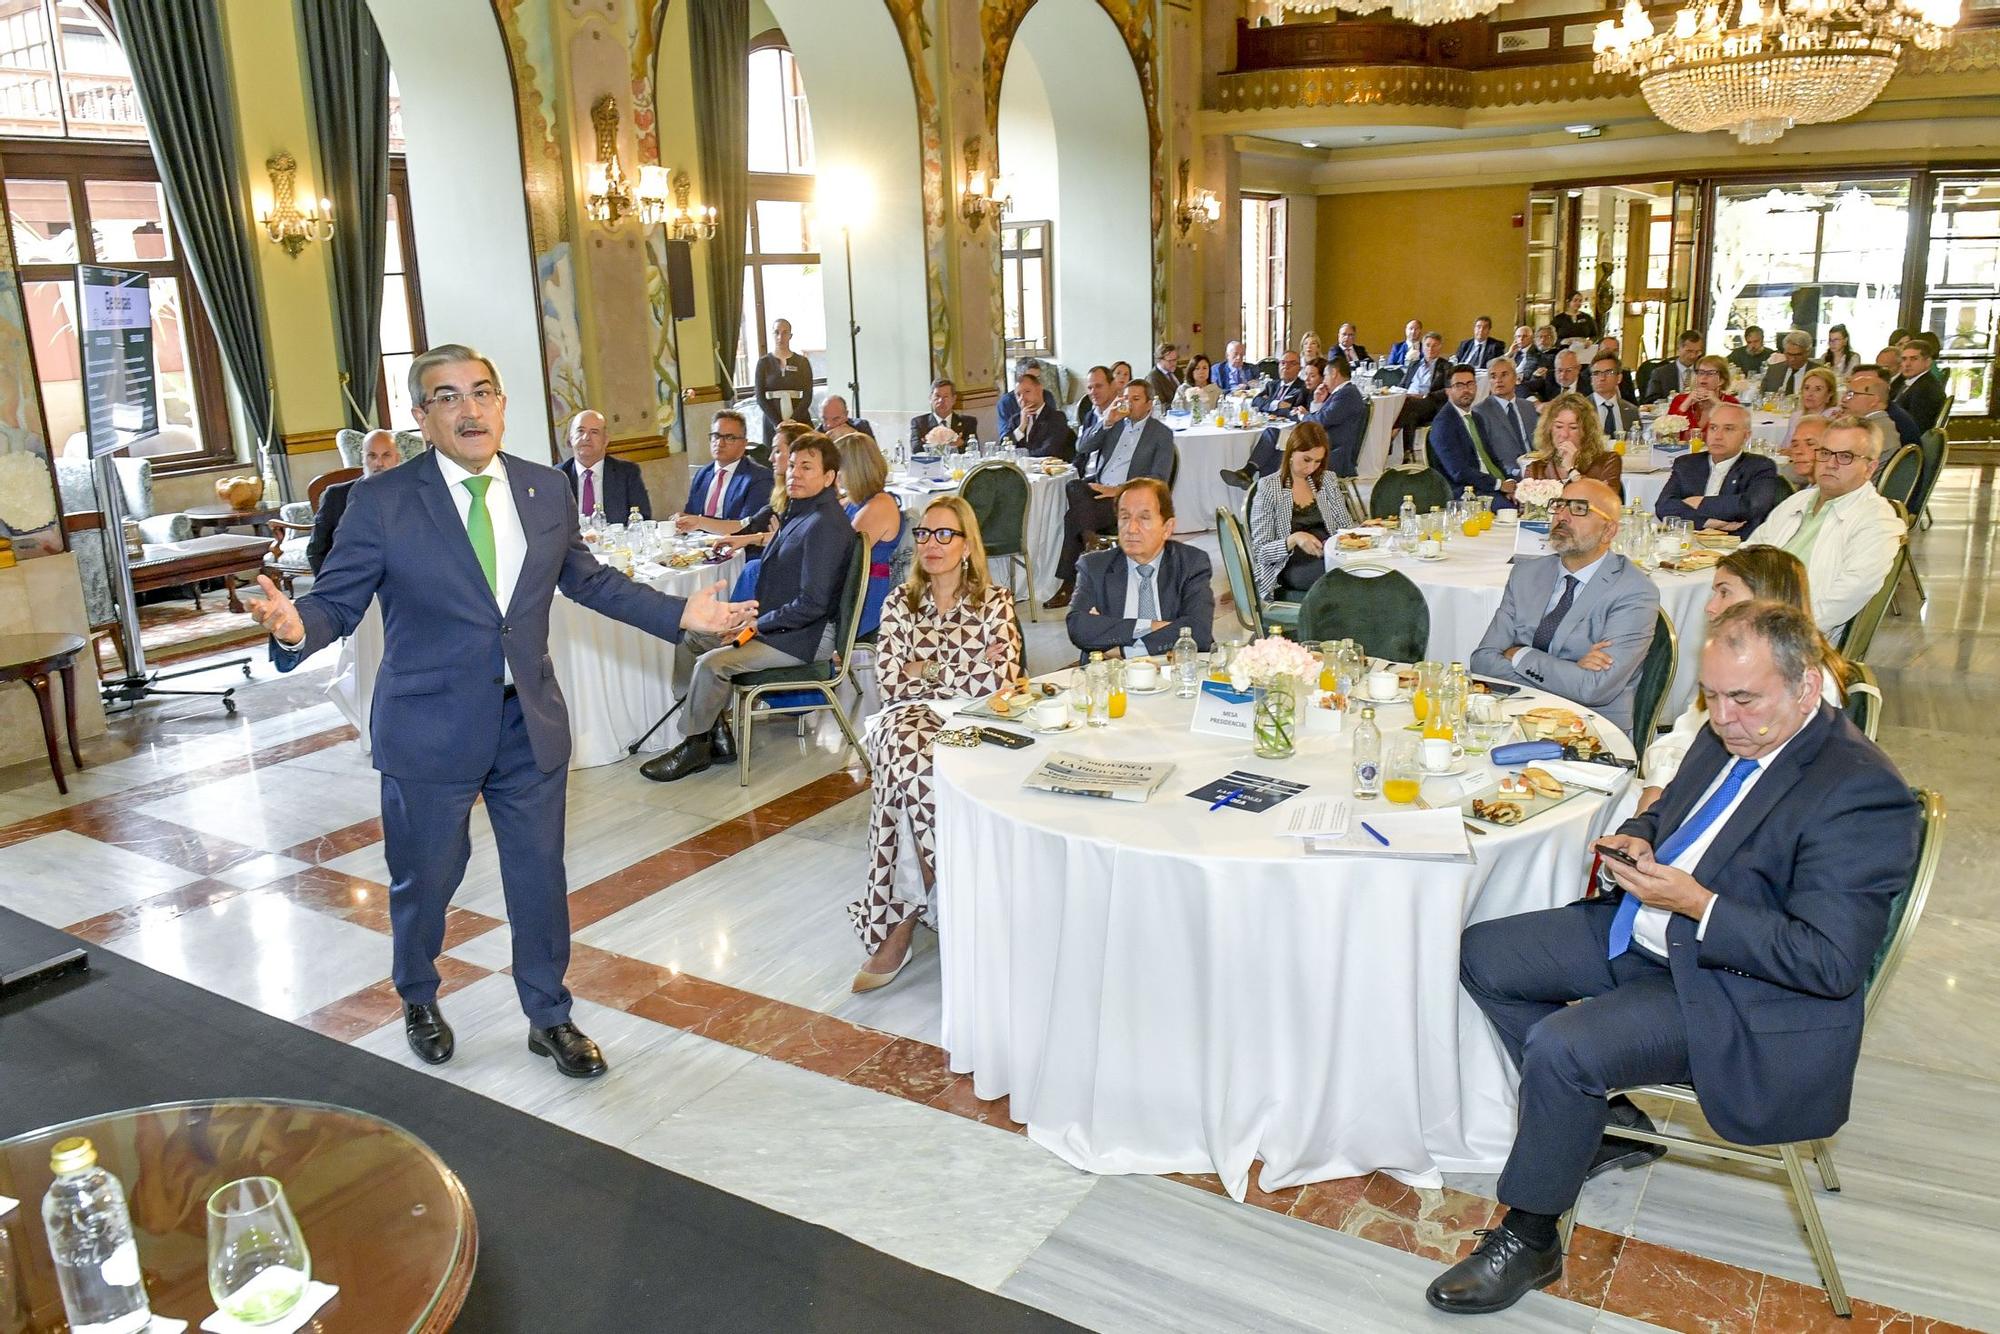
pixel 1898 478
pixel 1252 612
pixel 1000 496
pixel 813 686
pixel 1422 485
pixel 1656 677
pixel 1381 610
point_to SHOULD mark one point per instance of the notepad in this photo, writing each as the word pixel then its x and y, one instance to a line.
pixel 1423 836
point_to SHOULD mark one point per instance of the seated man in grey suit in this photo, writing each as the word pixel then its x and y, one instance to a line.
pixel 1577 622
pixel 1615 412
pixel 1136 597
pixel 1507 416
pixel 1782 373
pixel 1125 443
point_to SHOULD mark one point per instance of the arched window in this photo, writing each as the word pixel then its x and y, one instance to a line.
pixel 781 268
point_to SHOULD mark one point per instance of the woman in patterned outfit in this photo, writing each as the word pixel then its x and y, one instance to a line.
pixel 947 633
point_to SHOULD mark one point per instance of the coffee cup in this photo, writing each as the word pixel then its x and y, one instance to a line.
pixel 1439 754
pixel 1481 707
pixel 1382 686
pixel 1430 548
pixel 1050 712
pixel 1142 674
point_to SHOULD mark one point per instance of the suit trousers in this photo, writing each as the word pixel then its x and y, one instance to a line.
pixel 1087 513
pixel 705 665
pixel 1624 1027
pixel 1415 414
pixel 427 839
pixel 1267 453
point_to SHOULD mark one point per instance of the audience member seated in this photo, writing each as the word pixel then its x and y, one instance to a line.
pixel 876 516
pixel 1922 393
pixel 1481 348
pixel 1710 375
pixel 1890 361
pixel 1165 377
pixel 1099 393
pixel 1722 488
pixel 378 454
pixel 1231 374
pixel 1459 448
pixel 1310 348
pixel 1845 531
pixel 834 421
pixel 1770 902
pixel 1784 373
pixel 1339 409
pixel 1748 574
pixel 1565 378
pixel 1007 412
pixel 944 413
pixel 1753 356
pixel 598 481
pixel 1615 413
pixel 1819 394
pixel 1577 622
pixel 1042 430
pixel 1840 355
pixel 1128 443
pixel 1573 321
pixel 1628 387
pixel 1294 513
pixel 799 581
pixel 1412 346
pixel 947 633
pixel 755 529
pixel 730 486
pixel 1286 393
pixel 1198 394
pixel 1539 366
pixel 1802 451
pixel 1570 443
pixel 1311 371
pixel 1425 380
pixel 1507 418
pixel 1136 597
pixel 1345 345
pixel 1867 397
pixel 1522 350
pixel 1677 376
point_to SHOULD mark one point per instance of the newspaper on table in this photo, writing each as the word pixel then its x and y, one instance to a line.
pixel 1114 780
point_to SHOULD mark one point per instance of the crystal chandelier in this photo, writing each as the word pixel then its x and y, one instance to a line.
pixel 1778 64
pixel 1411 11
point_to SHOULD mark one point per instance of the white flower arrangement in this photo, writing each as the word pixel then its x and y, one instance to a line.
pixel 1537 492
pixel 1267 660
pixel 939 436
pixel 1670 426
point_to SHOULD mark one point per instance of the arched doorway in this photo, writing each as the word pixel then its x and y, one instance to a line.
pixel 1073 144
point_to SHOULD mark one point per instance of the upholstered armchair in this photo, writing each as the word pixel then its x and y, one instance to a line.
pixel 292 530
pixel 409 444
pixel 76 483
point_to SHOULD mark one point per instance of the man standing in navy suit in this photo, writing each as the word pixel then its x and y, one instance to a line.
pixel 465 549
pixel 731 486
pixel 1736 958
pixel 597 481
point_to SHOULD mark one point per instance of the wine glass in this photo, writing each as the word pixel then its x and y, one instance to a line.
pixel 258 1266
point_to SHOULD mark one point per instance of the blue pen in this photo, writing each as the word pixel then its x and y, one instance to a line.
pixel 1375 833
pixel 1226 798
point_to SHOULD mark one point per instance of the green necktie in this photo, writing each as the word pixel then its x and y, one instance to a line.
pixel 1479 443
pixel 479 527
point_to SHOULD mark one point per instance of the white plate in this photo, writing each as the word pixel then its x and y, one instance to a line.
pixel 1400 697
pixel 1421 556
pixel 1039 730
pixel 1162 688
pixel 1464 767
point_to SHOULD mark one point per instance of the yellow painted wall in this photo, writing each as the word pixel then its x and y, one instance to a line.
pixel 1442 256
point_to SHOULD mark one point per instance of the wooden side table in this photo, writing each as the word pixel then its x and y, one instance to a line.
pixel 224 517
pixel 34 658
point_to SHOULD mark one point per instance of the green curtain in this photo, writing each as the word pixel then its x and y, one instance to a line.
pixel 175 49
pixel 349 74
pixel 719 34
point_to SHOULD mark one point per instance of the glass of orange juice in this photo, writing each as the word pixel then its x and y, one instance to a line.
pixel 1426 689
pixel 1329 665
pixel 1402 778
pixel 1485 516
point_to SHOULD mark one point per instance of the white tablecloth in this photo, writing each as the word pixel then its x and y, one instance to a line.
pixel 616 679
pixel 1045 518
pixel 1204 452
pixel 1383 409
pixel 1159 988
pixel 1645 487
pixel 1464 589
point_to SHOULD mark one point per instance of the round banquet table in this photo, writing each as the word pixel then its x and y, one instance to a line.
pixel 1644 488
pixel 1383 407
pixel 1045 517
pixel 1463 592
pixel 1161 988
pixel 1204 452
pixel 616 679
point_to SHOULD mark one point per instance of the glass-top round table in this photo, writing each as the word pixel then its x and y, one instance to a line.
pixel 383 1216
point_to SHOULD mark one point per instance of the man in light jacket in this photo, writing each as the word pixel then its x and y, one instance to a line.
pixel 1845 531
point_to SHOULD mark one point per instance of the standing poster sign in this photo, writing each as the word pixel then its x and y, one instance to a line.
pixel 120 404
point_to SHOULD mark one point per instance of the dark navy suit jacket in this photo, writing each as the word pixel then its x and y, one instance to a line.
pixel 1052 437
pixel 332 505
pixel 1455 456
pixel 749 487
pixel 624 488
pixel 803 569
pixel 1804 872
pixel 1750 491
pixel 446 640
pixel 1097 619
pixel 1344 416
pixel 1282 396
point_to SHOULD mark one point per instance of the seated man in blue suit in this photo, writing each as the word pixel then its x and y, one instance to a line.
pixel 834 421
pixel 1412 346
pixel 1136 597
pixel 799 579
pixel 1042 430
pixel 1481 348
pixel 1460 449
pixel 1576 623
pixel 732 486
pixel 1008 410
pixel 1735 956
pixel 944 412
pixel 1723 488
pixel 1287 392
pixel 1506 417
pixel 599 481
pixel 1339 408
pixel 464 549
pixel 1230 372
pixel 1127 443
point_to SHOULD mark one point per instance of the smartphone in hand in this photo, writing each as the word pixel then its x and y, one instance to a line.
pixel 1605 850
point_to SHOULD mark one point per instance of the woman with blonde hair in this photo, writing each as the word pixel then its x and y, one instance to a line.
pixel 1819 394
pixel 1570 443
pixel 875 515
pixel 947 632
pixel 1747 574
pixel 1310 347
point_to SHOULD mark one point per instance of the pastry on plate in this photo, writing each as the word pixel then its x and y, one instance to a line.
pixel 1544 783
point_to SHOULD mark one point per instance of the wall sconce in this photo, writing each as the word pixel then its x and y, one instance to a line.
pixel 685 221
pixel 984 194
pixel 283 222
pixel 607 196
pixel 1197 208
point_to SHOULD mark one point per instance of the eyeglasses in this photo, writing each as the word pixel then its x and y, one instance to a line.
pixel 448 399
pixel 717 435
pixel 1840 458
pixel 1576 509
pixel 944 537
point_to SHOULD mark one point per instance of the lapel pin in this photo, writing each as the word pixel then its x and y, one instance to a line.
pixel 531 493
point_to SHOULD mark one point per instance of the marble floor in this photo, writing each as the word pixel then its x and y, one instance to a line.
pixel 244 854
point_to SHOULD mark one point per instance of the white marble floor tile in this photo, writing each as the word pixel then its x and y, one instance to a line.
pixel 939 1191
pixel 913 1007
pixel 260 871
pixel 267 952
pixel 654 1069
pixel 782 765
pixel 491 950
pixel 845 825
pixel 62 877
pixel 1143 1254
pixel 275 807
pixel 1608 1323
pixel 1608 1203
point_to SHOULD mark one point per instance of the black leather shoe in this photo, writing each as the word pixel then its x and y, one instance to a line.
pixel 1625 1153
pixel 1240 478
pixel 690 757
pixel 575 1055
pixel 1059 600
pixel 429 1035
pixel 721 742
pixel 1501 1270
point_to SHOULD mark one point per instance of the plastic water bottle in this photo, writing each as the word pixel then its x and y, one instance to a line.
pixel 1367 757
pixel 1187 665
pixel 1406 520
pixel 1097 690
pixel 90 1239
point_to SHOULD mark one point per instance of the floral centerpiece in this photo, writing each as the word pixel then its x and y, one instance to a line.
pixel 1669 426
pixel 941 437
pixel 1278 670
pixel 1534 495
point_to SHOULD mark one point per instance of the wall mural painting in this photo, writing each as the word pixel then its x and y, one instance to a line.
pixel 641 22
pixel 908 16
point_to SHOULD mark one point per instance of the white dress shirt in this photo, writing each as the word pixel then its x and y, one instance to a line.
pixel 1717 470
pixel 595 472
pixel 1117 469
pixel 510 540
pixel 718 490
pixel 1133 583
pixel 1649 928
pixel 1600 405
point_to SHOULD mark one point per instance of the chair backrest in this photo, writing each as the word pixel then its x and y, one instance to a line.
pixel 1860 632
pixel 1656 674
pixel 847 616
pixel 1382 611
pixel 998 492
pixel 347 440
pixel 1785 490
pixel 1236 564
pixel 1422 485
pixel 1644 375
pixel 1934 449
pixel 1864 700
pixel 1908 908
pixel 1268 368
pixel 1898 478
pixel 1944 412
pixel 318 485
